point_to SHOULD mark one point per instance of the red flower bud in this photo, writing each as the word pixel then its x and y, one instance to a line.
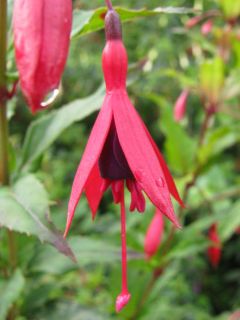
pixel 41 38
pixel 214 251
pixel 193 22
pixel 154 234
pixel 207 27
pixel 180 106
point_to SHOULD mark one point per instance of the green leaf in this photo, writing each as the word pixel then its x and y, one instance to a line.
pixel 231 9
pixel 45 130
pixel 218 140
pixel 10 292
pixel 33 194
pixel 180 148
pixel 23 209
pixel 229 222
pixel 72 311
pixel 86 250
pixel 85 22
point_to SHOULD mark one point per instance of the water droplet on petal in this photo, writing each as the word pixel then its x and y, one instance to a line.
pixel 160 182
pixel 50 98
pixel 139 175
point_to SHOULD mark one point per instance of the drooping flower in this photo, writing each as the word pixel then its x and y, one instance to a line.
pixel 154 234
pixel 41 39
pixel 207 27
pixel 180 106
pixel 214 250
pixel 120 151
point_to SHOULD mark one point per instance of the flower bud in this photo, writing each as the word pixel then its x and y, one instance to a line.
pixel 193 22
pixel 207 27
pixel 154 235
pixel 180 106
pixel 41 39
pixel 214 250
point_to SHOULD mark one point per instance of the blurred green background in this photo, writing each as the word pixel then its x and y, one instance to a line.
pixel 165 57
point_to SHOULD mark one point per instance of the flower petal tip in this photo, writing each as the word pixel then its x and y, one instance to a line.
pixel 178 225
pixel 65 234
pixel 122 300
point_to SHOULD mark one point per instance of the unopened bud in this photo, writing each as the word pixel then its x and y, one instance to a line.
pixel 113 26
pixel 207 27
pixel 154 235
pixel 214 250
pixel 180 106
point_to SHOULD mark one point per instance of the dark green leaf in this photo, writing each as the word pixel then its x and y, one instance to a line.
pixel 89 21
pixel 23 208
pixel 45 130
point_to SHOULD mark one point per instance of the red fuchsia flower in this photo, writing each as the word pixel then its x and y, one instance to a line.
pixel 207 27
pixel 41 39
pixel 214 251
pixel 154 235
pixel 180 106
pixel 121 151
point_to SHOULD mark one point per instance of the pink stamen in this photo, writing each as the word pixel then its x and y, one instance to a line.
pixel 117 190
pixel 124 296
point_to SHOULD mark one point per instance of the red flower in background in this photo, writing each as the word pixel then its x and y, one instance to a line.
pixel 214 251
pixel 120 150
pixel 207 27
pixel 41 39
pixel 154 234
pixel 180 106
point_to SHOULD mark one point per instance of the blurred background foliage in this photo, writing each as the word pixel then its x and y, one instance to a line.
pixel 202 151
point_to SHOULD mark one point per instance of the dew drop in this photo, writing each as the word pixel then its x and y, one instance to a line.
pixel 160 182
pixel 139 175
pixel 50 98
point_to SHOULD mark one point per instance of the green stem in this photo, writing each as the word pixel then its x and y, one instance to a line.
pixel 4 170
pixel 4 175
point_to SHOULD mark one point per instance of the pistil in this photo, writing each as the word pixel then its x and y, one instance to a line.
pixel 124 296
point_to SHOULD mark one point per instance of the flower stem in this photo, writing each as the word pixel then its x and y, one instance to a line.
pixel 4 176
pixel 109 4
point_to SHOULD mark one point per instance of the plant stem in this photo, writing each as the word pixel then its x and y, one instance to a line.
pixel 4 176
pixel 4 171
pixel 109 4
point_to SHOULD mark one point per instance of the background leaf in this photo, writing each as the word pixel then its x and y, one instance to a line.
pixel 24 213
pixel 85 22
pixel 10 292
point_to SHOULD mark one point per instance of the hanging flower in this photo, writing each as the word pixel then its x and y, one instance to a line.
pixel 121 151
pixel 214 250
pixel 154 234
pixel 180 106
pixel 207 27
pixel 41 38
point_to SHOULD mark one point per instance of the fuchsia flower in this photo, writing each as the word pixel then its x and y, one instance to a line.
pixel 214 251
pixel 120 150
pixel 41 39
pixel 180 106
pixel 207 27
pixel 154 234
